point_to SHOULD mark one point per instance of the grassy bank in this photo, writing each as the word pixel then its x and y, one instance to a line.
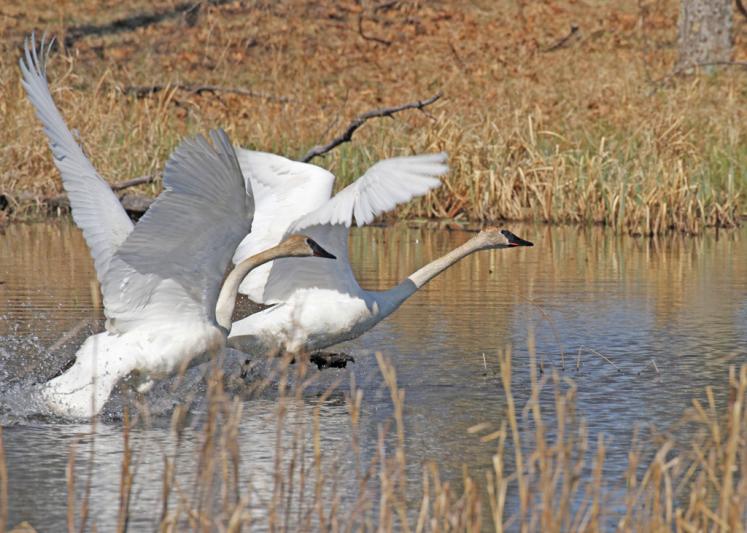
pixel 547 474
pixel 589 129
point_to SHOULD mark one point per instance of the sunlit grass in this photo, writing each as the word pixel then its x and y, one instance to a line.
pixel 591 133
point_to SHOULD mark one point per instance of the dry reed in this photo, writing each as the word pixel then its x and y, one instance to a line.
pixel 545 476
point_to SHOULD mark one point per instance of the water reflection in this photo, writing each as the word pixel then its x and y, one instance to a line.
pixel 679 302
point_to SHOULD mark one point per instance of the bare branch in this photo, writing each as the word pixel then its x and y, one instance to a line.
pixel 386 5
pixel 459 61
pixel 370 37
pixel 135 204
pixel 141 91
pixel 189 9
pixel 361 119
pixel 564 41
pixel 132 183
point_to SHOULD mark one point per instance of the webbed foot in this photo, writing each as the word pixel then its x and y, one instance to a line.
pixel 331 359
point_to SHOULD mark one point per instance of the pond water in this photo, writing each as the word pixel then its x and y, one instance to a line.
pixel 670 316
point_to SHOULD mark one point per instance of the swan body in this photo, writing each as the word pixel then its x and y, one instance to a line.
pixel 314 318
pixel 165 299
pixel 106 358
pixel 162 284
pixel 298 195
pixel 313 305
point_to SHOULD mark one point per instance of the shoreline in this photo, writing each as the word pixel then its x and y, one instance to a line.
pixel 39 210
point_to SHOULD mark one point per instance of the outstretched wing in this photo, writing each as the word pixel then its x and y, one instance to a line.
pixel 96 210
pixel 382 187
pixel 174 260
pixel 284 190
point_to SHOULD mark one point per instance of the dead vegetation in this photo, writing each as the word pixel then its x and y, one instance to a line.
pixel 541 123
pixel 547 472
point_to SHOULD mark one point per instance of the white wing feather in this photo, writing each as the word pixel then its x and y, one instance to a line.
pixel 381 188
pixel 96 210
pixel 174 260
pixel 284 190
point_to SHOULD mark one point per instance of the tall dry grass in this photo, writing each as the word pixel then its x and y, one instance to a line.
pixel 593 132
pixel 547 472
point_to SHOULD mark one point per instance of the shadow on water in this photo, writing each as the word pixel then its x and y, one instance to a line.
pixel 641 326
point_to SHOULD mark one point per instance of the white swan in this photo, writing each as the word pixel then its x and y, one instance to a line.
pixel 323 305
pixel 314 307
pixel 161 279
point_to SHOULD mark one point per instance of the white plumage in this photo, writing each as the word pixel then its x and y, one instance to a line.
pixel 160 279
pixel 96 210
pixel 315 303
pixel 319 304
pixel 326 220
pixel 284 190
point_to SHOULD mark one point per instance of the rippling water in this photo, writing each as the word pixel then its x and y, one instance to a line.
pixel 669 316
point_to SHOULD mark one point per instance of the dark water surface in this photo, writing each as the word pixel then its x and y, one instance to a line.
pixel 671 314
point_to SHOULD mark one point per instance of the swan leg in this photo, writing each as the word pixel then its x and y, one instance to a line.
pixel 331 359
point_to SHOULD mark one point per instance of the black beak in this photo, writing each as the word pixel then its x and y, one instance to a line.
pixel 318 250
pixel 513 240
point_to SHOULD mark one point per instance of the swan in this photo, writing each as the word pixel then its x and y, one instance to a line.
pixel 161 279
pixel 322 305
pixel 317 305
pixel 312 308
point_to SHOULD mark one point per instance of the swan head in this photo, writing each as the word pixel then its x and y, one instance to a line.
pixel 303 246
pixel 501 238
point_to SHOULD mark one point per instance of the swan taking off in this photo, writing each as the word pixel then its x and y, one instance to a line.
pixel 326 306
pixel 316 305
pixel 161 280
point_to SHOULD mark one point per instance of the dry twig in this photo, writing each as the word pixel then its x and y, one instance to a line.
pixel 188 9
pixel 141 91
pixel 347 135
pixel 133 203
pixel 564 41
pixel 142 180
pixel 370 37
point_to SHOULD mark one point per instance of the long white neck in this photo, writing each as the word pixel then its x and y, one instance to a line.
pixel 227 297
pixel 390 300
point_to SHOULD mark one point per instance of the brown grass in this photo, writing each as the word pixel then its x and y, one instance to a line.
pixel 592 132
pixel 554 483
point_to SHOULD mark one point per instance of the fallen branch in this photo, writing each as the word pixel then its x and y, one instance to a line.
pixel 361 119
pixel 142 180
pixel 370 37
pixel 386 5
pixel 562 42
pixel 135 204
pixel 133 22
pixel 142 91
